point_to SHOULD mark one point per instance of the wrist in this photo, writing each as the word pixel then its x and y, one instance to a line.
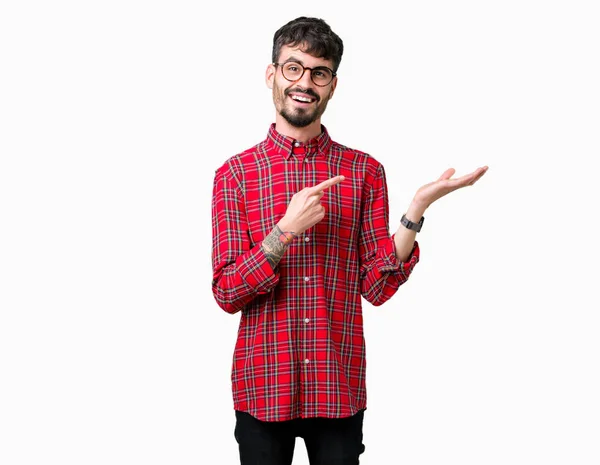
pixel 287 227
pixel 415 211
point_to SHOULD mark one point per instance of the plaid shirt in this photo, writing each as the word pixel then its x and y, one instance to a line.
pixel 300 349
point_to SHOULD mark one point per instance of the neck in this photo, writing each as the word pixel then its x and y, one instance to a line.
pixel 301 134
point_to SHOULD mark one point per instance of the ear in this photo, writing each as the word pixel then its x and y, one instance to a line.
pixel 333 86
pixel 270 75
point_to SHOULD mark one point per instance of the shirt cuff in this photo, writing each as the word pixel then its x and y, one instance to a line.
pixel 387 261
pixel 258 273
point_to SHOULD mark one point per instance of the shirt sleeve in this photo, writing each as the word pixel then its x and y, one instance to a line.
pixel 241 271
pixel 381 272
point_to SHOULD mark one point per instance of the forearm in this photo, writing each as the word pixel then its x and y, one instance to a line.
pixel 276 243
pixel 238 279
pixel 404 238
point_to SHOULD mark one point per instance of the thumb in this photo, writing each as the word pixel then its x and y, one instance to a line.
pixel 447 174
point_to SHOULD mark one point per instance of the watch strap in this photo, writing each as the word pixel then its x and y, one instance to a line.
pixel 410 225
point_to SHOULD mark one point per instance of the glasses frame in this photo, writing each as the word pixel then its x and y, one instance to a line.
pixel 304 68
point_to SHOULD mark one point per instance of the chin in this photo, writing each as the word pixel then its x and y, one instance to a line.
pixel 298 119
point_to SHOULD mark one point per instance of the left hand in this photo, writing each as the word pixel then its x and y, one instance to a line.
pixel 431 192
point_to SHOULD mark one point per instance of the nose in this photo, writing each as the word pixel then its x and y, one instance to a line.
pixel 306 79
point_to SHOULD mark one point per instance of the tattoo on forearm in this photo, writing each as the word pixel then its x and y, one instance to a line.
pixel 276 243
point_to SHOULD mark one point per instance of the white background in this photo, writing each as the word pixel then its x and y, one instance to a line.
pixel 114 116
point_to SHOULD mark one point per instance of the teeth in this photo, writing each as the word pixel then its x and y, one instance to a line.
pixel 301 99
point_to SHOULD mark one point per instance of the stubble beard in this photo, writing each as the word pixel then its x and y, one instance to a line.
pixel 300 117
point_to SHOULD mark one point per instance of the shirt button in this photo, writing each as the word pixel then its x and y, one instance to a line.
pixel 296 144
pixel 306 361
pixel 306 278
pixel 306 320
pixel 306 239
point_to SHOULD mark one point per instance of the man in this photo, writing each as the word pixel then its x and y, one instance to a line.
pixel 300 233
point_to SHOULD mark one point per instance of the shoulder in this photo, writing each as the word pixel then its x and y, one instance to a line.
pixel 234 167
pixel 357 160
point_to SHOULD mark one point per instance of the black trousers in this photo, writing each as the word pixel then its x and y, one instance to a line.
pixel 329 441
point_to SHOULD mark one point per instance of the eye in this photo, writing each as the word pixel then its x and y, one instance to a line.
pixel 293 68
pixel 322 74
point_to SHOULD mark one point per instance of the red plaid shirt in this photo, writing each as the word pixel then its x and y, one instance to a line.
pixel 300 349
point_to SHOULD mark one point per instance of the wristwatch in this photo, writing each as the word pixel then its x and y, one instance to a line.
pixel 410 225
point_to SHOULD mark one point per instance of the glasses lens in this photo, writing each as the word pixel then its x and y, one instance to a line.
pixel 321 76
pixel 292 71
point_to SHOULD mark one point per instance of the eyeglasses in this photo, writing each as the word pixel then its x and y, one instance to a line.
pixel 292 71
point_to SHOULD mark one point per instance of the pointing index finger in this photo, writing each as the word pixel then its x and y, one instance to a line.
pixel 327 184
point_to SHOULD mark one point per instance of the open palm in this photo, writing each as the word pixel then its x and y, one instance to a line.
pixel 433 191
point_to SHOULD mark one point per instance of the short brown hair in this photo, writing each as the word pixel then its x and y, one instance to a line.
pixel 319 39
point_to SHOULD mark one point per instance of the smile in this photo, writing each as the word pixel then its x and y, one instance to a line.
pixel 302 98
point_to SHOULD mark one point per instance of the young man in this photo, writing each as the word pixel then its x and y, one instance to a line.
pixel 300 233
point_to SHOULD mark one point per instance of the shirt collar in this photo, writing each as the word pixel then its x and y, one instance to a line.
pixel 285 145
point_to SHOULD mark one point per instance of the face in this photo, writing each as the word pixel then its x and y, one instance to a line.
pixel 301 102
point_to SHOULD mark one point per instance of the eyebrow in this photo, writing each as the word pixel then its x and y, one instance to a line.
pixel 293 59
